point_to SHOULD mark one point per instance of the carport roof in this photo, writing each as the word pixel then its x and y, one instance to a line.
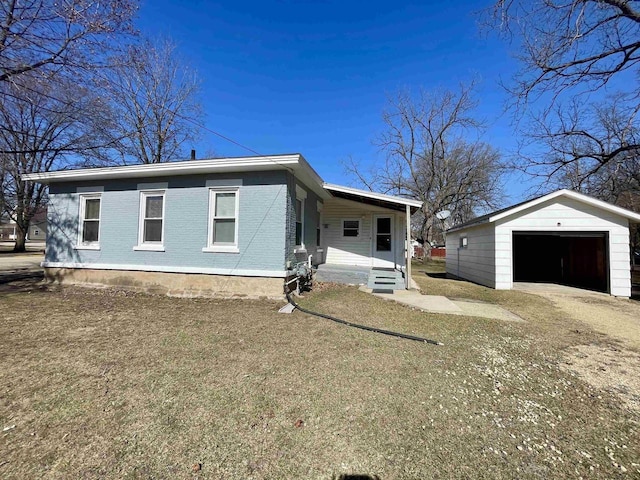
pixel 372 198
pixel 513 209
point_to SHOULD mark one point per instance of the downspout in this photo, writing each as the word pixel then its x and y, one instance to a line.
pixel 407 269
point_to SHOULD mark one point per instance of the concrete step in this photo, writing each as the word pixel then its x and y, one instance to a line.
pixel 386 280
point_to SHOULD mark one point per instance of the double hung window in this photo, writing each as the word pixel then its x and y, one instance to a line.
pixel 89 228
pixel 151 222
pixel 223 220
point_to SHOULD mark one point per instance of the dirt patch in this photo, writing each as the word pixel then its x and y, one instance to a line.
pixel 609 368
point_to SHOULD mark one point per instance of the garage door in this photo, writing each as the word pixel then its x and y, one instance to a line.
pixel 577 259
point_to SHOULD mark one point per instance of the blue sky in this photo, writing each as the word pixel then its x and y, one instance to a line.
pixel 313 77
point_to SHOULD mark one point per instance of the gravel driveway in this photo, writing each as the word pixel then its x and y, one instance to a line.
pixel 612 366
pixel 617 317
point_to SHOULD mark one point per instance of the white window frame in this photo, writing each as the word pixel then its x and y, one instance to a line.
pixel 222 247
pixel 81 212
pixel 150 246
pixel 359 220
pixel 464 242
pixel 301 195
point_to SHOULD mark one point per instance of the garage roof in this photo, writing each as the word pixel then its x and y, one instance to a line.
pixel 513 209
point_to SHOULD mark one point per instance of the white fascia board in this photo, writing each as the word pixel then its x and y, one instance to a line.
pixel 376 196
pixel 623 212
pixel 239 164
pixel 169 269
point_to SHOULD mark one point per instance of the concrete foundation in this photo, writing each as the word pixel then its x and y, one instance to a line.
pixel 172 284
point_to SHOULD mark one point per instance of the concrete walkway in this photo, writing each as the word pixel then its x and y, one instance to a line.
pixel 21 266
pixel 556 289
pixel 22 261
pixel 440 304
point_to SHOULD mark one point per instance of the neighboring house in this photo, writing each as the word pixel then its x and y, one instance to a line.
pixel 564 237
pixel 229 225
pixel 38 227
pixel 7 230
pixel 37 230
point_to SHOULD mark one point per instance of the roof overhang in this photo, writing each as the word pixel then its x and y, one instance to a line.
pixel 608 207
pixel 295 163
pixel 623 212
pixel 371 198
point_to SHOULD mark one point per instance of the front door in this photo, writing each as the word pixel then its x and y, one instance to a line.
pixel 383 242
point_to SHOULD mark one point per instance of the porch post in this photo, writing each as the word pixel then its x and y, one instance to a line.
pixel 407 269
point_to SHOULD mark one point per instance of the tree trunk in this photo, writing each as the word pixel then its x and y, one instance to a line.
pixel 21 239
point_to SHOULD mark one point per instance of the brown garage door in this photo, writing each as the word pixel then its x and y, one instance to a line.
pixel 578 259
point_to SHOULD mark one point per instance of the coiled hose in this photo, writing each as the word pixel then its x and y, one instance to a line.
pixel 362 327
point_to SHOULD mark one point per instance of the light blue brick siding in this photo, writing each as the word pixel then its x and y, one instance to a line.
pixel 310 221
pixel 261 228
pixel 290 234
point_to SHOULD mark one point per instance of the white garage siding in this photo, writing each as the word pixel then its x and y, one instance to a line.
pixel 341 250
pixel 573 216
pixel 476 260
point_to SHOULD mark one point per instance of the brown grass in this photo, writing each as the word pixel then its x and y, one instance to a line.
pixel 108 384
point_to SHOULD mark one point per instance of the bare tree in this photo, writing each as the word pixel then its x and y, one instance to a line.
pixel 592 149
pixel 568 50
pixel 154 102
pixel 48 37
pixel 45 128
pixel 429 158
pixel 570 43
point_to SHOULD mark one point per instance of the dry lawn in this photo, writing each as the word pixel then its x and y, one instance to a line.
pixel 106 384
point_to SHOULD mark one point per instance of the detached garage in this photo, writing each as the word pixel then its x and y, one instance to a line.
pixel 564 237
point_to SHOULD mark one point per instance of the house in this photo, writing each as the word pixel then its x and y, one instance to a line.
pixel 7 229
pixel 564 237
pixel 38 227
pixel 234 226
pixel 37 230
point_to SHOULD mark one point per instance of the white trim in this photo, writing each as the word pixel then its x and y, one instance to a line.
pixel 374 239
pixel 86 247
pixel 142 244
pixel 169 269
pixel 82 205
pixel 173 168
pixel 222 247
pixel 408 249
pixel 373 195
pixel 149 247
pixel 575 196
